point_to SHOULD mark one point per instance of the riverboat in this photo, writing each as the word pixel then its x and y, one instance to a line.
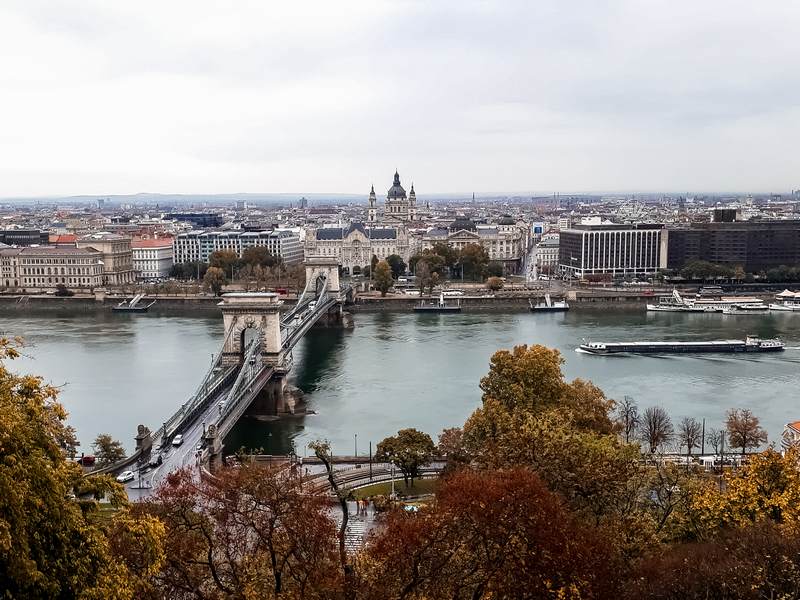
pixel 438 306
pixel 548 305
pixel 749 344
pixel 133 305
pixel 745 309
pixel 673 303
pixel 786 307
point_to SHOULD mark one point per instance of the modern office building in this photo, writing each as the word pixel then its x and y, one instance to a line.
pixel 152 259
pixel 200 220
pixel 756 246
pixel 619 250
pixel 23 237
pixel 45 267
pixel 194 246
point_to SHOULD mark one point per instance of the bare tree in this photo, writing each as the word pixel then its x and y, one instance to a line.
pixel 690 434
pixel 744 429
pixel 656 428
pixel 715 439
pixel 628 417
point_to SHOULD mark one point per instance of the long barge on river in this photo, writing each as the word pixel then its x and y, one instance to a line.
pixel 749 344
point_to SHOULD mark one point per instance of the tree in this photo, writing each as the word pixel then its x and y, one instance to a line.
pixel 766 488
pixel 425 278
pixel 690 434
pixel 408 451
pixel 225 260
pixel 214 280
pixel 397 264
pixel 50 546
pixel 447 252
pixel 373 262
pixel 494 283
pixel 251 532
pixel 257 255
pixel 474 259
pixel 490 535
pixel 739 273
pixel 744 429
pixel 715 438
pixel 656 428
pixel 495 269
pixel 107 450
pixel 382 277
pixel 62 290
pixel 451 446
pixel 628 418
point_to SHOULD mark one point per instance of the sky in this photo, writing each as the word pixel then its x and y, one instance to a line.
pixel 100 97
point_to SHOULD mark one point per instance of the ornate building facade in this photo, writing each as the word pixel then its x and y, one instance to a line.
pixel 400 207
pixel 355 245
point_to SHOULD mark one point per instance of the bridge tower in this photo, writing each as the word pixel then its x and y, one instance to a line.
pixel 323 266
pixel 251 310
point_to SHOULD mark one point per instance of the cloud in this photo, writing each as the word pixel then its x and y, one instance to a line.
pixel 208 97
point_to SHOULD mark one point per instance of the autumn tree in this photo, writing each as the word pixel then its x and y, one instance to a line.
pixel 107 450
pixel 744 430
pixel 382 277
pixel 426 279
pixel 451 446
pixel 494 283
pixel 52 546
pixel 715 438
pixel 656 428
pixel 409 450
pixel 225 260
pixel 214 280
pixel 251 532
pixel 489 535
pixel 766 488
pixel 447 252
pixel 757 561
pixel 628 418
pixel 397 264
pixel 690 434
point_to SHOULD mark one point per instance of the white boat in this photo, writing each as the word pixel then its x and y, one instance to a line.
pixel 673 303
pixel 745 309
pixel 548 305
pixel 720 304
pixel 786 307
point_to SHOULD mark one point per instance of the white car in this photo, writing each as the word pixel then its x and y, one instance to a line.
pixel 177 440
pixel 125 476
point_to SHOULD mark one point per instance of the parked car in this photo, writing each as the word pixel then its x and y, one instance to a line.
pixel 86 460
pixel 125 476
pixel 177 440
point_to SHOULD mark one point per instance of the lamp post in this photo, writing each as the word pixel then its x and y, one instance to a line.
pixel 355 444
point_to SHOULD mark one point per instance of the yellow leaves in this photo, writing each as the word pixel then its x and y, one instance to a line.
pixel 767 488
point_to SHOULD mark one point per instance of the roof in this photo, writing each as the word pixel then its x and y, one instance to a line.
pixel 794 425
pixel 375 233
pixel 66 238
pixel 396 191
pixel 58 251
pixel 157 243
pixel 103 236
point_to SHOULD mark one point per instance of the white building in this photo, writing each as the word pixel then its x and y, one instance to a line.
pixel 506 242
pixel 198 245
pixel 547 254
pixel 152 259
pixel 44 267
pixel 355 245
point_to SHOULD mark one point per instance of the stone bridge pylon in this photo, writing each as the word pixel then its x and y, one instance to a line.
pixel 252 311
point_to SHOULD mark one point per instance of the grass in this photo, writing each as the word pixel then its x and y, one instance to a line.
pixel 420 488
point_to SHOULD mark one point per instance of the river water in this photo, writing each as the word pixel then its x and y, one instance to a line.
pixel 396 370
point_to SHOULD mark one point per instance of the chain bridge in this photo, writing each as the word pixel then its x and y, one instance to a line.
pixel 249 371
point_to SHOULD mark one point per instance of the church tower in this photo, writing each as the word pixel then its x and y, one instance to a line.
pixel 373 211
pixel 396 201
pixel 412 204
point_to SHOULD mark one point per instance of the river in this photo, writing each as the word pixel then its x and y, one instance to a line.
pixel 396 370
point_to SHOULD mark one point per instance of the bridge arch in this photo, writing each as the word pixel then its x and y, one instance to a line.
pixel 243 315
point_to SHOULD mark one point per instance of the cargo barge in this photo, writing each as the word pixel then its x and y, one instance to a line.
pixel 749 344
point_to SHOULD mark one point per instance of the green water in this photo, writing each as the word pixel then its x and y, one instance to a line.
pixel 396 370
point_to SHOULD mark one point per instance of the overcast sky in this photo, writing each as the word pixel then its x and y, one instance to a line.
pixel 107 97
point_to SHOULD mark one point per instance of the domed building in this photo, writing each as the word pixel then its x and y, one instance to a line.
pixel 400 207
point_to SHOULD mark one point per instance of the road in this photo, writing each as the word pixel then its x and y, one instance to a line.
pixel 176 457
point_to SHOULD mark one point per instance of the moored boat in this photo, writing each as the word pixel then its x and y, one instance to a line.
pixel 548 305
pixel 438 306
pixel 133 305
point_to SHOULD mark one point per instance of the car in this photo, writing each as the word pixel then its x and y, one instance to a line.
pixel 155 461
pixel 200 447
pixel 125 476
pixel 177 440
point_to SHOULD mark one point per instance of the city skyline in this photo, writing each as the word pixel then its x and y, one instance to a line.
pixel 189 99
